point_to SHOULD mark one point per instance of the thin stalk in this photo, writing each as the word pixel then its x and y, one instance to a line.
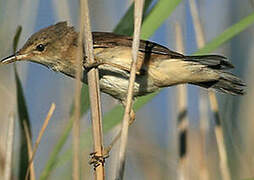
pixel 94 91
pixel 54 155
pixel 212 98
pixel 219 137
pixel 182 117
pixel 76 115
pixel 62 9
pixel 203 101
pixel 38 140
pixel 30 153
pixel 9 148
pixel 138 10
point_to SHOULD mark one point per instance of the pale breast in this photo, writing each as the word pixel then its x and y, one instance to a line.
pixel 114 81
pixel 118 55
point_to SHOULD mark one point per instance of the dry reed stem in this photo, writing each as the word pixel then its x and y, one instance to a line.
pixel 203 101
pixel 30 151
pixel 2 160
pixel 129 99
pixel 212 97
pixel 9 148
pixel 76 116
pixel 38 140
pixel 62 9
pixel 182 118
pixel 219 137
pixel 94 92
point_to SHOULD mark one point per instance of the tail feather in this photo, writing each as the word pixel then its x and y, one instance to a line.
pixel 227 83
pixel 212 61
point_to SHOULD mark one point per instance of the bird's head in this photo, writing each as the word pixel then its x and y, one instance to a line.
pixel 47 46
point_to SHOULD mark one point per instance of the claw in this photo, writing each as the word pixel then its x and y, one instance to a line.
pixel 96 160
pixel 88 66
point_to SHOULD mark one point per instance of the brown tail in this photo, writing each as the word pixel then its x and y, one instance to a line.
pixel 227 82
pixel 212 61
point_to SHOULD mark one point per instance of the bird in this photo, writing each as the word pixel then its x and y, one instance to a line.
pixel 56 47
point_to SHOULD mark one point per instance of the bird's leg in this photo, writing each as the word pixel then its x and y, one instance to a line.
pixel 96 160
pixel 90 65
pixel 131 120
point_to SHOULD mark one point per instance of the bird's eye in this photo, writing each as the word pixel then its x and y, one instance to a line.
pixel 40 47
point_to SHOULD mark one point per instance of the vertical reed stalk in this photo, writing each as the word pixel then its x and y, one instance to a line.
pixel 94 91
pixel 182 117
pixel 62 9
pixel 9 148
pixel 203 101
pixel 30 168
pixel 212 97
pixel 138 10
pixel 33 150
pixel 76 115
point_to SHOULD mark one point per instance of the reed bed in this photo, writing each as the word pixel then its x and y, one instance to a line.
pixel 220 147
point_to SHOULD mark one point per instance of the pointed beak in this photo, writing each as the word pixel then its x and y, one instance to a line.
pixel 9 59
pixel 12 58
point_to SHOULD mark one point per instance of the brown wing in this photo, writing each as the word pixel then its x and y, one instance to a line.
pixel 110 40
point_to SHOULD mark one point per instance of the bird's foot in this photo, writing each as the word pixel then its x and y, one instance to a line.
pixel 97 160
pixel 90 65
